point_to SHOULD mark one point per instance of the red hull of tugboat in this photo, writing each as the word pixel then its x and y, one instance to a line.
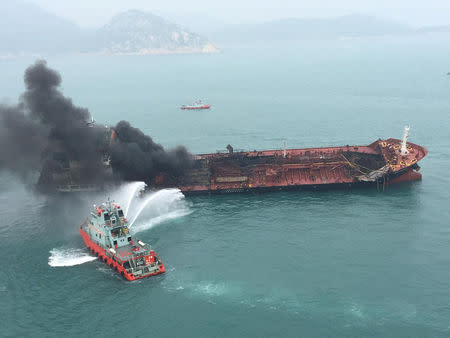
pixel 101 253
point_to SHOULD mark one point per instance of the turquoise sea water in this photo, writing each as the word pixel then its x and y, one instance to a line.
pixel 337 263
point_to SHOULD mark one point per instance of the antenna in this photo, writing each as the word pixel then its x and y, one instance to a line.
pixel 284 149
pixel 403 149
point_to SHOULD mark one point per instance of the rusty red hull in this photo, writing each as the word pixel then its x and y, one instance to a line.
pixel 301 169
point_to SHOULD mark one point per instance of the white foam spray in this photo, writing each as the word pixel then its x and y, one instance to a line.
pixel 158 207
pixel 130 194
pixel 125 195
pixel 69 257
pixel 144 225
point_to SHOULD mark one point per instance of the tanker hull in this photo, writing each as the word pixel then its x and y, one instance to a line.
pixel 378 164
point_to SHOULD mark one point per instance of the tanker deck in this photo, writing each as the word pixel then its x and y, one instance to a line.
pixel 380 163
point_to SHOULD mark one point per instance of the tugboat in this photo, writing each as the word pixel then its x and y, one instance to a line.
pixel 107 235
pixel 196 105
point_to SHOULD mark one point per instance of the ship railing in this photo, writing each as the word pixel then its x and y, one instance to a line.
pixel 227 152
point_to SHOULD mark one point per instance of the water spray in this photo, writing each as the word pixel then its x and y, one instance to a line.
pixel 166 196
pixel 134 188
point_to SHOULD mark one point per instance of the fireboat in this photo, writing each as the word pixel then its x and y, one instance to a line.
pixel 107 235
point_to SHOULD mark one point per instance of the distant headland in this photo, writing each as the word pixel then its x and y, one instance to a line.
pixel 130 33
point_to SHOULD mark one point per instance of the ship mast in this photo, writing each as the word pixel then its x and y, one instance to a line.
pixel 403 149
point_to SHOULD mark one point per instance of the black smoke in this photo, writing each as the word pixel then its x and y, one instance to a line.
pixel 22 141
pixel 135 155
pixel 45 122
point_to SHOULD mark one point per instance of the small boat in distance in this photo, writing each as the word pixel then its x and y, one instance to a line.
pixel 196 105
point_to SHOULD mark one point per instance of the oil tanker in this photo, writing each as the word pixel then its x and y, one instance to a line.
pixel 379 163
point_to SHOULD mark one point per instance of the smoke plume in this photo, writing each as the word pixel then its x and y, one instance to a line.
pixel 46 131
pixel 136 155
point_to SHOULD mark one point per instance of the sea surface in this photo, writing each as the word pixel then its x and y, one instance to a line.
pixel 345 263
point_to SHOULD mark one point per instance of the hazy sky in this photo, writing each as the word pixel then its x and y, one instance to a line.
pixel 97 12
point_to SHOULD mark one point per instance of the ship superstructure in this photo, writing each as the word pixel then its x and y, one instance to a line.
pixel 62 171
pixel 107 235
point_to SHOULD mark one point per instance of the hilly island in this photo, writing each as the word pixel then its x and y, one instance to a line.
pixel 132 32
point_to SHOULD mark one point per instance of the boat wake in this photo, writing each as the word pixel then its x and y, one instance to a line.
pixel 69 257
